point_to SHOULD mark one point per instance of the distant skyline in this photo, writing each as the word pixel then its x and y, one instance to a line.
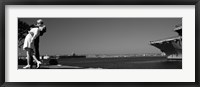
pixel 103 35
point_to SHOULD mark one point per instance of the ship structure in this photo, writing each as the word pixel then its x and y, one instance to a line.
pixel 171 47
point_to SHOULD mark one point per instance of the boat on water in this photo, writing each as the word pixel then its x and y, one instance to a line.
pixel 171 47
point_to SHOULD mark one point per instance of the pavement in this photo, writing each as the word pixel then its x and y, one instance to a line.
pixel 52 67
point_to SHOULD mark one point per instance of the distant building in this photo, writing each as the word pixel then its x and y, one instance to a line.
pixel 73 55
pixel 171 47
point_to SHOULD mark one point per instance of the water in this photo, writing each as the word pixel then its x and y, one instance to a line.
pixel 123 63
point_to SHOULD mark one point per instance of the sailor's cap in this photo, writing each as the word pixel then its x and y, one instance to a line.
pixel 39 21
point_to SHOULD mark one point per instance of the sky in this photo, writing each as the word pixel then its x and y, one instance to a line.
pixel 103 35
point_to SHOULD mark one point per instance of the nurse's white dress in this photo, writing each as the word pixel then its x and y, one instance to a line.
pixel 28 38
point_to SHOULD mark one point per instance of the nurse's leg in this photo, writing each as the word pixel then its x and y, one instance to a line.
pixel 28 59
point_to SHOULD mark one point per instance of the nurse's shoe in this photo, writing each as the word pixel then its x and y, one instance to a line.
pixel 38 64
pixel 27 67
